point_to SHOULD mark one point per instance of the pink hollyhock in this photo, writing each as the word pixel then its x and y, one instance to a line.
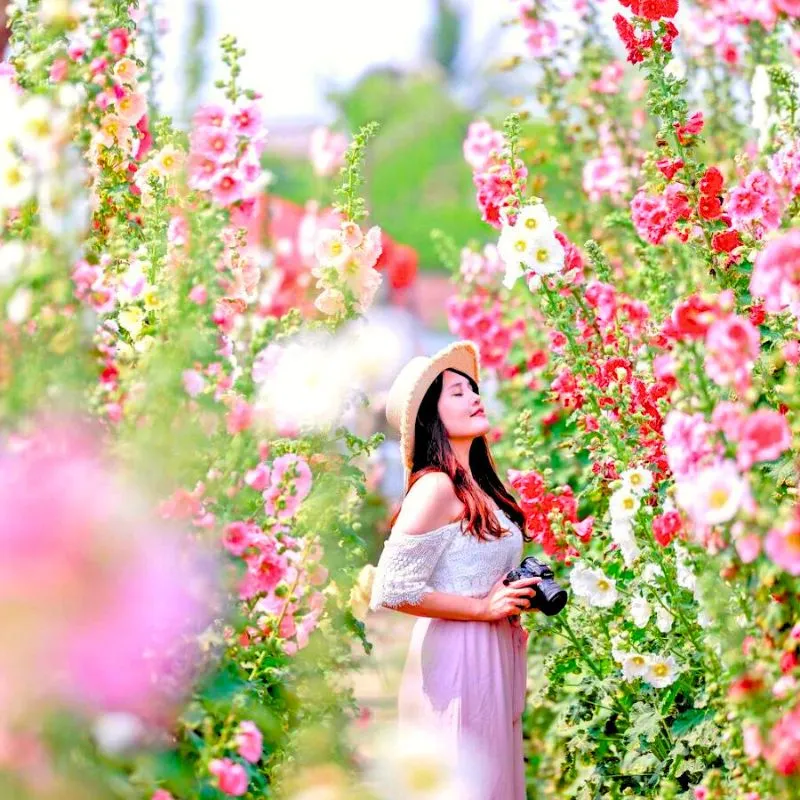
pixel 258 478
pixel 728 417
pixel 694 124
pixel 227 188
pixel 209 115
pixel 118 41
pixel 249 742
pixel 240 416
pixel 326 150
pixel 542 38
pixel 748 547
pixel 483 145
pixel 202 171
pixel 763 436
pixel 755 202
pixel 610 78
pixel 497 190
pixel 246 118
pixel 198 294
pixel 732 347
pixel 782 545
pixel 59 70
pixel 218 144
pixel 231 777
pixel 193 382
pixel 689 442
pixel 237 537
pixel 265 571
pixel 606 175
pixel 161 794
pixel 782 750
pixel 776 273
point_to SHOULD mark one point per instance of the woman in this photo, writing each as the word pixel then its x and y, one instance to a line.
pixel 456 536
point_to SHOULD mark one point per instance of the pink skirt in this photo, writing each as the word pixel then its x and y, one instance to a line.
pixel 466 680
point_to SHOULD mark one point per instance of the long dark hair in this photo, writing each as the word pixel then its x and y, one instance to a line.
pixel 433 453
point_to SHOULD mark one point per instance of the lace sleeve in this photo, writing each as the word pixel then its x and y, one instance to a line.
pixel 405 565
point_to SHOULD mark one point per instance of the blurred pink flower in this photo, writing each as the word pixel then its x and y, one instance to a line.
pixel 162 794
pixel 209 115
pixel 763 436
pixel 326 151
pixel 776 273
pixel 218 144
pixel 193 382
pixel 126 591
pixel 732 347
pixel 782 545
pixel 227 187
pixel 246 118
pixel 482 145
pixel 231 777
pixel 249 742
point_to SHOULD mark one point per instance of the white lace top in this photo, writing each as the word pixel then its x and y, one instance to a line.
pixel 443 560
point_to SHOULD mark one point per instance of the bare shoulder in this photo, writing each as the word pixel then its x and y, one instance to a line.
pixel 430 504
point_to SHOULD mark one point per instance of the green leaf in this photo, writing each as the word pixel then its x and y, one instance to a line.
pixel 689 719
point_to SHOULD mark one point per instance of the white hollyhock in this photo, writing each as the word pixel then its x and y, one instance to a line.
pixel 714 494
pixel 650 572
pixel 637 480
pixel 663 619
pixel 546 255
pixel 530 245
pixel 16 181
pixel 593 586
pixel 686 577
pixel 661 672
pixel 536 220
pixel 622 535
pixel 634 665
pixel 640 611
pixel 19 305
pixel 623 504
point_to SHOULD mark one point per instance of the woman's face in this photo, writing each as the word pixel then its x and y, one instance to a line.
pixel 460 409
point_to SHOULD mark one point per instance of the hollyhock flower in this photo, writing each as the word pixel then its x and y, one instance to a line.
pixel 664 619
pixel 776 272
pixel 193 382
pixel 168 160
pixel 634 666
pixel 218 144
pixel 249 742
pixel 231 777
pixel 227 188
pixel 713 495
pixel 621 532
pixel 732 347
pixel 117 41
pixel 661 671
pixel 640 611
pixel 610 78
pixel 782 545
pixel 669 167
pixel 245 118
pixel 161 794
pixel 240 416
pixel 258 478
pixel 689 442
pixel 209 115
pixel 763 436
pixel 482 144
pixel 594 586
pixel 712 182
pixel 131 107
pixel 782 749
pixel 666 527
pixel 126 71
pixel 692 127
pixel 326 151
pixel 497 186
pixel 623 504
pixel 638 480
pixel 542 38
pixel 606 175
pixel 726 241
pixel 238 537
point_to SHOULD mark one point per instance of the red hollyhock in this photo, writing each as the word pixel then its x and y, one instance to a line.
pixel 628 36
pixel 757 314
pixel 692 318
pixel 692 127
pixel 725 241
pixel 667 527
pixel 712 182
pixel 709 207
pixel 668 167
pixel 656 9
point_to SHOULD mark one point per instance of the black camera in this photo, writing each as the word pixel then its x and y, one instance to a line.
pixel 549 598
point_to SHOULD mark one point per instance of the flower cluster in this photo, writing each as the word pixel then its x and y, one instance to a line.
pixel 529 245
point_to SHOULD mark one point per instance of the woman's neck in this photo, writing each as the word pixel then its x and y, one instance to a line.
pixel 461 448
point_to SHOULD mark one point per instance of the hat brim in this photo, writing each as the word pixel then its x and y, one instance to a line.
pixel 461 356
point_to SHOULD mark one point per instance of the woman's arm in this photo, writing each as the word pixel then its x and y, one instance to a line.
pixel 502 601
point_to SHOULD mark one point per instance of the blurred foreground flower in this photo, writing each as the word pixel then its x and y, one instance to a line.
pixel 97 600
pixel 417 763
pixel 310 381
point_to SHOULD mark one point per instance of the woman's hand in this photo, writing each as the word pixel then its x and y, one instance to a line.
pixel 507 601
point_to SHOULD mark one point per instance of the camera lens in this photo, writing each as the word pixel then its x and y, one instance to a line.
pixel 554 598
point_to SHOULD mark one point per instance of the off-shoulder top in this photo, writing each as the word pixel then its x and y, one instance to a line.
pixel 443 560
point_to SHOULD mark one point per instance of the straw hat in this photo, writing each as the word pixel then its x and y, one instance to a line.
pixel 409 387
